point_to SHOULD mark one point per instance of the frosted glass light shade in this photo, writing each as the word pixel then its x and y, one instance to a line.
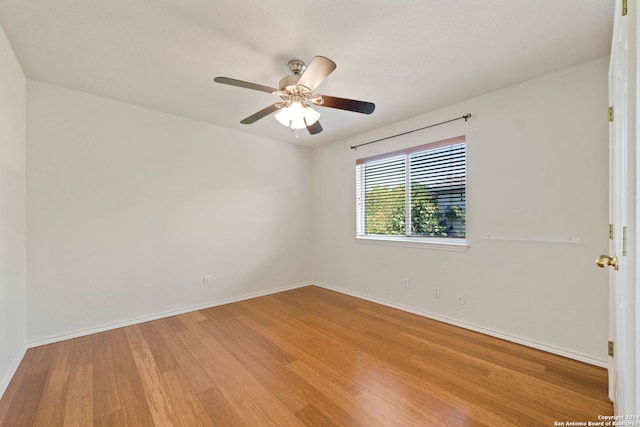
pixel 294 116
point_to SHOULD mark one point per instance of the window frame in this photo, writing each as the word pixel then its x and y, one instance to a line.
pixel 417 241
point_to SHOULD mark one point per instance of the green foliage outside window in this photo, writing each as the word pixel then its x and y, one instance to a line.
pixel 386 213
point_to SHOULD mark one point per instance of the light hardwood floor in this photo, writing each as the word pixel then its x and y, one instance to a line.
pixel 303 357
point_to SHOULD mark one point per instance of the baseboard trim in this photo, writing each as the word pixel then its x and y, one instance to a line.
pixel 12 371
pixel 497 334
pixel 162 315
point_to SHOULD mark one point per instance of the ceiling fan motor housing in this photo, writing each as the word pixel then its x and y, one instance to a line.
pixel 290 91
pixel 289 84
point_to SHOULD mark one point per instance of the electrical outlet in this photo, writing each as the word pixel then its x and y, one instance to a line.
pixel 207 280
pixel 460 298
pixel 436 293
pixel 405 282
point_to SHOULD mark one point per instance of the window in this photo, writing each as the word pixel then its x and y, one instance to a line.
pixel 416 194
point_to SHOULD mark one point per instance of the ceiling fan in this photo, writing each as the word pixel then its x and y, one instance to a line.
pixel 296 93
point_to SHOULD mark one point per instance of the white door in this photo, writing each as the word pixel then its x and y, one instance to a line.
pixel 622 218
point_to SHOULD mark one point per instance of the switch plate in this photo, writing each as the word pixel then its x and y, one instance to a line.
pixel 207 280
pixel 405 282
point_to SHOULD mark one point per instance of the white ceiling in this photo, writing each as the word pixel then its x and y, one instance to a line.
pixel 407 56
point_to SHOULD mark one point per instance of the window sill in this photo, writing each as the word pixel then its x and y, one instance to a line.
pixel 459 245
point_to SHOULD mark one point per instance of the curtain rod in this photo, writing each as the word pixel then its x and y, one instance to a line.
pixel 465 117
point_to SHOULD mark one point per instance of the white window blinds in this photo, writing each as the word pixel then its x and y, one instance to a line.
pixel 419 192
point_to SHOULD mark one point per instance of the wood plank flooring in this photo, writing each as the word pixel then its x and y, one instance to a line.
pixel 303 357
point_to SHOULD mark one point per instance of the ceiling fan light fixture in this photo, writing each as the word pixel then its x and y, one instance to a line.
pixel 297 116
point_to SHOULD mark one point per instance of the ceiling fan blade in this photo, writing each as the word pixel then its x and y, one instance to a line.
pixel 344 104
pixel 316 72
pixel 262 113
pixel 314 128
pixel 242 83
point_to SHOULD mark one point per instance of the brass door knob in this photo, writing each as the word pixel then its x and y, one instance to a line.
pixel 605 260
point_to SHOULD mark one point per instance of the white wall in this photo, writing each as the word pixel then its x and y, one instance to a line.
pixel 13 318
pixel 128 208
pixel 536 165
